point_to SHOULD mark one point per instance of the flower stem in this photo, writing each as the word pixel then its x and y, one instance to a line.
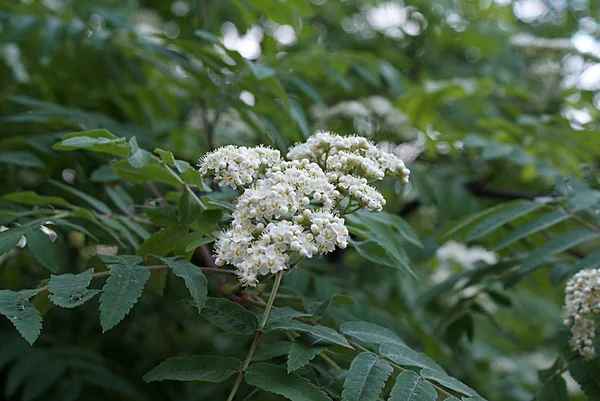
pixel 261 327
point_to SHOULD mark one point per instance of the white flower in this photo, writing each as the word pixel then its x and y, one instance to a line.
pixel 582 299
pixel 289 207
pixel 237 166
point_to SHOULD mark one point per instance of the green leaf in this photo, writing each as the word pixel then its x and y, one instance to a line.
pixel 366 378
pixel 213 369
pixel 411 387
pixel 120 293
pixel 467 221
pixel 323 332
pixel 144 174
pixel 535 225
pixel 163 216
pixel 192 177
pixel 70 290
pixel 10 238
pixel 281 315
pixel 230 316
pixel 272 350
pixel 195 240
pixel 138 158
pixel 162 242
pixel 319 310
pixel 23 159
pixel 275 379
pixel 188 208
pixel 303 351
pixel 95 203
pixel 501 217
pixel 21 313
pixel 553 390
pixel 373 251
pixel 116 147
pixel 404 356
pixel 591 261
pixel 166 156
pixel 585 374
pixel 94 133
pixel 583 200
pixel 33 199
pixel 365 223
pixel 258 70
pixel 194 280
pixel 370 333
pixel 121 199
pixel 448 381
pixel 44 250
pixel 556 245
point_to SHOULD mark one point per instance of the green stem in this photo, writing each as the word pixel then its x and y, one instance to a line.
pixel 261 327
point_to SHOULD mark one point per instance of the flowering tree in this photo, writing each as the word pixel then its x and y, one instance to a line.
pixel 225 188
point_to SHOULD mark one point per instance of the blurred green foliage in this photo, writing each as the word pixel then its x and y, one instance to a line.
pixel 493 105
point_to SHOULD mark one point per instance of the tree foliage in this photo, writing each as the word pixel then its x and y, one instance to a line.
pixel 454 292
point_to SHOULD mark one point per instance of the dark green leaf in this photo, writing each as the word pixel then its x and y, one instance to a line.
pixel 121 199
pixel 535 225
pixel 448 381
pixel 31 198
pixel 144 174
pixel 163 216
pixel 95 203
pixel 303 351
pixel 404 356
pixel 211 369
pixel 20 159
pixel 120 293
pixel 193 278
pixel 230 316
pixel 43 249
pixel 501 217
pixel 275 379
pixel 366 377
pixel 137 157
pixel 70 290
pixel 370 333
pixel 188 208
pixel 412 387
pixel 162 242
pixel 21 313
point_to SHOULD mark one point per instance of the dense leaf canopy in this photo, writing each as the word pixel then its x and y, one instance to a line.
pixel 108 284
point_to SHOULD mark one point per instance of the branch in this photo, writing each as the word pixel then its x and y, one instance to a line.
pixel 208 270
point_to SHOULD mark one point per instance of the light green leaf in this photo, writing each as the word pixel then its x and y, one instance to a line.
pixel 43 249
pixel 138 157
pixel 70 290
pixel 375 252
pixel 535 225
pixel 370 333
pixel 303 351
pixel 503 216
pixel 116 147
pixel 411 387
pixel 556 245
pixel 194 280
pixel 192 177
pixel 162 242
pixel 23 159
pixel 583 200
pixel 404 356
pixel 213 369
pixel 31 198
pixel 230 316
pixel 448 381
pixel 366 378
pixel 166 156
pixel 275 379
pixel 120 293
pixel 95 203
pixel 144 174
pixel 21 313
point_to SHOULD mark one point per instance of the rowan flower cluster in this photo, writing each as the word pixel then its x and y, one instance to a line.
pixel 295 208
pixel 582 300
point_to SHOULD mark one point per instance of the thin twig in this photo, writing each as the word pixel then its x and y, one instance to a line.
pixel 261 327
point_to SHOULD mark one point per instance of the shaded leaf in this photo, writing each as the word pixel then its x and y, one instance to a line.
pixel 21 313
pixel 44 250
pixel 70 290
pixel 194 279
pixel 303 351
pixel 230 316
pixel 448 381
pixel 412 387
pixel 370 333
pixel 213 369
pixel 366 377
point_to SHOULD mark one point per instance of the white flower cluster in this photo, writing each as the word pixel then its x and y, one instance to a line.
pixel 294 207
pixel 238 166
pixel 582 299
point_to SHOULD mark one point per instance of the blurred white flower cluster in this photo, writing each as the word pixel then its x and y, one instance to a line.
pixel 466 257
pixel 582 299
pixel 295 206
